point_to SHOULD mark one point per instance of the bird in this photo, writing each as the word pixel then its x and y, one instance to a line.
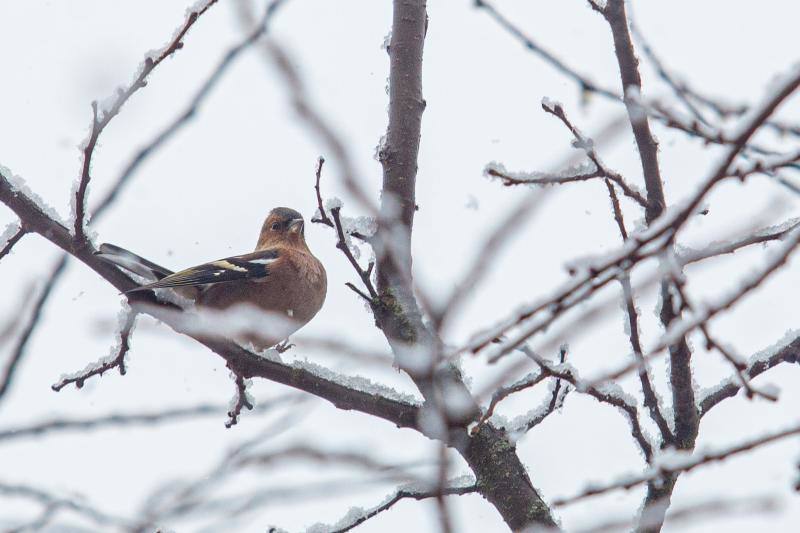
pixel 280 276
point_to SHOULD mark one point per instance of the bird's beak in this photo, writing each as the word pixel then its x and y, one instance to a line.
pixel 296 225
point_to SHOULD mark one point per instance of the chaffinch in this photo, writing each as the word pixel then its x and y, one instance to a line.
pixel 280 276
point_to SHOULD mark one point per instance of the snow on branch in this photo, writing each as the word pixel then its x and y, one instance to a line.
pixel 706 312
pixel 115 359
pixel 772 233
pixel 10 236
pixel 362 228
pixel 357 515
pixel 103 112
pixel 241 399
pixel 607 393
pixel 676 462
pixel 592 169
pixel 786 350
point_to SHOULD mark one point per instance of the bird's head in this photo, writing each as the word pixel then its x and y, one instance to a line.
pixel 283 226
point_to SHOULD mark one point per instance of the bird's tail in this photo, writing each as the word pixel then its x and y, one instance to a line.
pixel 132 262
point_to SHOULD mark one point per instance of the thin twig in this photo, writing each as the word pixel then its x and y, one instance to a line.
pixel 14 239
pixel 605 395
pixel 788 353
pixel 402 494
pixel 323 216
pixel 587 145
pixel 650 397
pixel 241 401
pixel 102 366
pixel 341 244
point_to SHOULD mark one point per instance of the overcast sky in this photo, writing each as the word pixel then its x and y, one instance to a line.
pixel 206 192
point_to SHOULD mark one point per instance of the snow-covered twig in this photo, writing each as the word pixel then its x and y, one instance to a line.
pixel 772 233
pixel 678 463
pixel 11 236
pixel 587 145
pixel 499 395
pixel 241 400
pixel 102 114
pixel 364 274
pixel 785 351
pixel 116 359
pixel 357 516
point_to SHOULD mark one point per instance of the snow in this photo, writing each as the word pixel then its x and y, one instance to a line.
pixel 248 384
pixel 123 317
pixel 356 515
pixel 633 98
pixel 9 232
pixel 550 104
pixel 358 383
pixel 387 40
pixel 18 185
pixel 333 203
pixel 582 169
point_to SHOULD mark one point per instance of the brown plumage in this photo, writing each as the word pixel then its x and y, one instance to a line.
pixel 281 276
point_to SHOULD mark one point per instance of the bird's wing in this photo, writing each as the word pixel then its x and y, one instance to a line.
pixel 132 262
pixel 252 266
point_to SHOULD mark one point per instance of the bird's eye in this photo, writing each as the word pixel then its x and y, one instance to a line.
pixel 276 226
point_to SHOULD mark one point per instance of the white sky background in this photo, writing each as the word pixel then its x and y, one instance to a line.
pixel 205 194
